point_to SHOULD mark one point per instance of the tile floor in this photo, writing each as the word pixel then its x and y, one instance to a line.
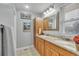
pixel 27 52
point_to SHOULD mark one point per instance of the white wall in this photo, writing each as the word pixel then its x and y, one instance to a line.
pixel 24 39
pixel 7 18
pixel 6 15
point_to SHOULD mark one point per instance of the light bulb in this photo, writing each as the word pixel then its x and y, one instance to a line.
pixel 44 13
pixel 27 6
pixel 50 9
pixel 47 11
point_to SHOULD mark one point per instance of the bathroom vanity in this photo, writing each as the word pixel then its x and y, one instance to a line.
pixel 52 46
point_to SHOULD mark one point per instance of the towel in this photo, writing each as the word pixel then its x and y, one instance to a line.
pixel 8 42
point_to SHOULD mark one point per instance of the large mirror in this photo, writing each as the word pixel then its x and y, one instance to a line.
pixel 51 22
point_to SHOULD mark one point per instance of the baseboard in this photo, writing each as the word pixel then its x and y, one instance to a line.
pixel 25 47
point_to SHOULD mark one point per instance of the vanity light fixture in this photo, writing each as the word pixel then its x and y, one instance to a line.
pixel 49 12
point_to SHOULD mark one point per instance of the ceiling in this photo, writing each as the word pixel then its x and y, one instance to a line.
pixel 33 7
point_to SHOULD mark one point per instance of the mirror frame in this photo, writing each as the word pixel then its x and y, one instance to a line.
pixel 57 23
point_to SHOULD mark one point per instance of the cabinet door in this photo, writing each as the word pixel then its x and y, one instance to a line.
pixel 38 24
pixel 40 46
pixel 37 44
pixel 50 51
pixel 34 43
pixel 64 52
pixel 54 53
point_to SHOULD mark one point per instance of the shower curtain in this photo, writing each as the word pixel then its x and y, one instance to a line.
pixel 8 44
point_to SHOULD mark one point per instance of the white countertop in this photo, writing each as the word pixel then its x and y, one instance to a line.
pixel 68 45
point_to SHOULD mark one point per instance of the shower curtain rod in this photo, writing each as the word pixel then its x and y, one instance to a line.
pixel 2 39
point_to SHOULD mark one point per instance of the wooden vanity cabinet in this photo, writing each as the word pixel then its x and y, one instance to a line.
pixel 53 50
pixel 40 46
pixel 37 24
pixel 45 48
